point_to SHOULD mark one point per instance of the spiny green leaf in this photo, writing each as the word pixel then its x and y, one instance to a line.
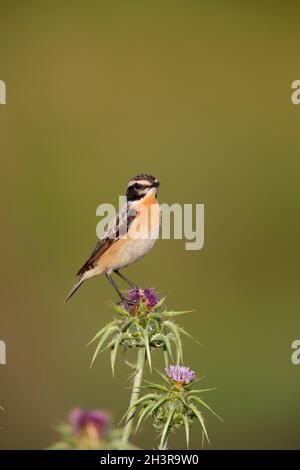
pixel 142 415
pixel 156 321
pixel 184 332
pixel 147 345
pixel 127 324
pixel 154 316
pixel 165 432
pixel 140 401
pixel 160 387
pixel 102 331
pixel 201 402
pixel 148 410
pixel 149 396
pixel 106 335
pixel 201 391
pixel 117 308
pixel 166 357
pixel 163 376
pixel 114 351
pixel 159 304
pixel 159 403
pixel 173 328
pixel 202 439
pixel 187 428
pixel 198 379
pixel 198 415
pixel 108 346
pixel 129 364
pixel 164 339
pixel 128 417
pixel 182 399
pixel 175 314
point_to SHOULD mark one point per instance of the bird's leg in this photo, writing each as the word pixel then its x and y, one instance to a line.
pixel 122 297
pixel 125 279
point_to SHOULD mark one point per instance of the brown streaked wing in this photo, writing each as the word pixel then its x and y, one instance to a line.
pixel 116 227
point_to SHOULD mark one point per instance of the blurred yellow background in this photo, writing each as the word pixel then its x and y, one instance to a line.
pixel 197 93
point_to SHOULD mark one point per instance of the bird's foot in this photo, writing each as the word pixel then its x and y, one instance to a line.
pixel 124 301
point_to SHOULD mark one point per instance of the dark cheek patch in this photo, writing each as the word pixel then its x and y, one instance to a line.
pixel 133 194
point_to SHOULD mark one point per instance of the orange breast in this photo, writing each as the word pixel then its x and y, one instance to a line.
pixel 148 215
pixel 141 236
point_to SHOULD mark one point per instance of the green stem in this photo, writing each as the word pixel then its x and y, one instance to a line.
pixel 165 432
pixel 166 356
pixel 164 446
pixel 134 395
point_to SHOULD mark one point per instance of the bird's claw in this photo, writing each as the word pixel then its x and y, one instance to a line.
pixel 125 301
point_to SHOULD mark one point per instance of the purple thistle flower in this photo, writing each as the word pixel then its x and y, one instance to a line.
pixel 80 420
pixel 134 295
pixel 180 374
pixel 151 297
pixel 147 295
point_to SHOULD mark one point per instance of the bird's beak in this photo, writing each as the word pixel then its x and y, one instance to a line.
pixel 155 184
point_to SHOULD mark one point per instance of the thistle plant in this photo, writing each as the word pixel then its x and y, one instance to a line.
pixel 141 324
pixel 88 430
pixel 173 404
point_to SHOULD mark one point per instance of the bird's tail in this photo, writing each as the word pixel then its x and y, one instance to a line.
pixel 75 287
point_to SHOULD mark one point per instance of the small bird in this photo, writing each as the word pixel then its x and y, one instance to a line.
pixel 130 235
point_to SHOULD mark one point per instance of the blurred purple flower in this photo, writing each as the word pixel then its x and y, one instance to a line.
pixel 147 295
pixel 134 295
pixel 180 374
pixel 81 419
pixel 151 297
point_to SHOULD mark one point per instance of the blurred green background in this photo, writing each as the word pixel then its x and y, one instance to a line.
pixel 197 93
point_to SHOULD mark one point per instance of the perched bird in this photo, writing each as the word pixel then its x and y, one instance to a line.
pixel 129 236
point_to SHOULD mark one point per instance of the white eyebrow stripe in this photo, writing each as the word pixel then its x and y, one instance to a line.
pixel 144 182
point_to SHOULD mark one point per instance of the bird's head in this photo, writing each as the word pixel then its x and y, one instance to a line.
pixel 140 186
